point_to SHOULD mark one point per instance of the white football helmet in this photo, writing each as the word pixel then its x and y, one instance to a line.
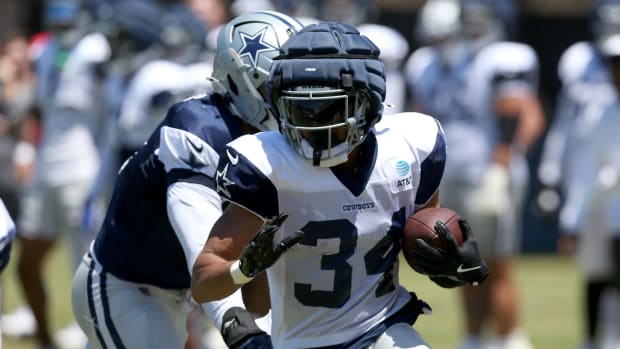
pixel 246 47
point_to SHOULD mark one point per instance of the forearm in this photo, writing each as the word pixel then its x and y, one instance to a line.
pixel 211 278
pixel 256 295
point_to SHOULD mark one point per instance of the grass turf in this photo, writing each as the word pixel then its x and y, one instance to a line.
pixel 550 288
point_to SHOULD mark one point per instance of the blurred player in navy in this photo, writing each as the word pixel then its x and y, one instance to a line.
pixel 132 290
pixel 329 194
pixel 483 89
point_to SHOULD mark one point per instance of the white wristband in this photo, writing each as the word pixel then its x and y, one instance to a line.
pixel 237 275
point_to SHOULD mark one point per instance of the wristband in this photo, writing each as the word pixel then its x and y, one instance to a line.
pixel 239 278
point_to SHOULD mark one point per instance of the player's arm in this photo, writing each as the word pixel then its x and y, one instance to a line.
pixel 520 120
pixel 211 273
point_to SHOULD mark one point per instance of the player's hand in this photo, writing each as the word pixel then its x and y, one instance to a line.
pixel 456 264
pixel 239 331
pixel 261 253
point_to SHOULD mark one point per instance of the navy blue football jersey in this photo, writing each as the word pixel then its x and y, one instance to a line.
pixel 137 242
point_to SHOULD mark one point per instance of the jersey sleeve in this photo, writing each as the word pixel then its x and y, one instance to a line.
pixel 432 166
pixel 242 182
pixel 186 157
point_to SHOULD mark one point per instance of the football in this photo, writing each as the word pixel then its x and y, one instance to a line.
pixel 421 225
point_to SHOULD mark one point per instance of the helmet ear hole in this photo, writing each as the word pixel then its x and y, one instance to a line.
pixel 232 85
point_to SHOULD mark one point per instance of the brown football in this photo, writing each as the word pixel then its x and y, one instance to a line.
pixel 421 225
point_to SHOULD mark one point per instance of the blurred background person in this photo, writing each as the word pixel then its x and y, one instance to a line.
pixel 578 164
pixel 484 91
pixel 74 70
pixel 17 86
pixel 7 234
pixel 48 50
pixel 394 49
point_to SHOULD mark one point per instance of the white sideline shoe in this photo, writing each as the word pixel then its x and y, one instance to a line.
pixel 71 337
pixel 517 339
pixel 19 323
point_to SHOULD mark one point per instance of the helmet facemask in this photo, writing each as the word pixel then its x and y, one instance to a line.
pixel 323 124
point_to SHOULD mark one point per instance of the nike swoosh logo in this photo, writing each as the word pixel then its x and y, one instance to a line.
pixel 196 147
pixel 233 159
pixel 460 269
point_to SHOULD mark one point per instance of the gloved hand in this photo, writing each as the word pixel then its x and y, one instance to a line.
pixel 492 197
pixel 456 265
pixel 240 331
pixel 260 253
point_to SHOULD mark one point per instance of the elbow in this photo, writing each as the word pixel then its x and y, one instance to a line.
pixel 208 286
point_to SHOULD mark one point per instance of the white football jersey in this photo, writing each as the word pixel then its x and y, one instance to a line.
pixel 586 89
pixel 71 114
pixel 461 97
pixel 342 278
pixel 138 116
pixel 394 49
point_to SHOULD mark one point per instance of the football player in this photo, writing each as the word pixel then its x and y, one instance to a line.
pixel 580 159
pixel 320 205
pixel 132 289
pixel 484 90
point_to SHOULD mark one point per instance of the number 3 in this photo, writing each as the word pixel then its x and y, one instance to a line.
pixel 379 259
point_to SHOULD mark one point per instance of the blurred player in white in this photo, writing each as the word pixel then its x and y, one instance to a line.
pixel 164 203
pixel 580 160
pixel 7 234
pixel 318 207
pixel 484 91
pixel 394 49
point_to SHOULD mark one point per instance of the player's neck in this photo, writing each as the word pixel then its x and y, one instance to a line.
pixel 355 160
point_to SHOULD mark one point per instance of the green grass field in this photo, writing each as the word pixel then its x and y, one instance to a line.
pixel 550 289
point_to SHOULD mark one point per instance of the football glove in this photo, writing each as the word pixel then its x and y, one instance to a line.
pixel 260 253
pixel 240 331
pixel 456 265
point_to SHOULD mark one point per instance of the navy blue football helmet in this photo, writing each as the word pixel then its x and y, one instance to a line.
pixel 327 86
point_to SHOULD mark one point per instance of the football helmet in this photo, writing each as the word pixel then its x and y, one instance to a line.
pixel 246 47
pixel 327 87
pixel 487 21
pixel 605 22
pixel 438 20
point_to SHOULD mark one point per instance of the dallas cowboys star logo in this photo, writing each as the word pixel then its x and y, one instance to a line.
pixel 222 182
pixel 253 45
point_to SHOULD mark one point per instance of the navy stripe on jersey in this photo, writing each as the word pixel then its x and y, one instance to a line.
pixel 432 170
pixel 91 304
pixel 106 314
pixel 239 181
pixel 356 182
pixel 185 175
